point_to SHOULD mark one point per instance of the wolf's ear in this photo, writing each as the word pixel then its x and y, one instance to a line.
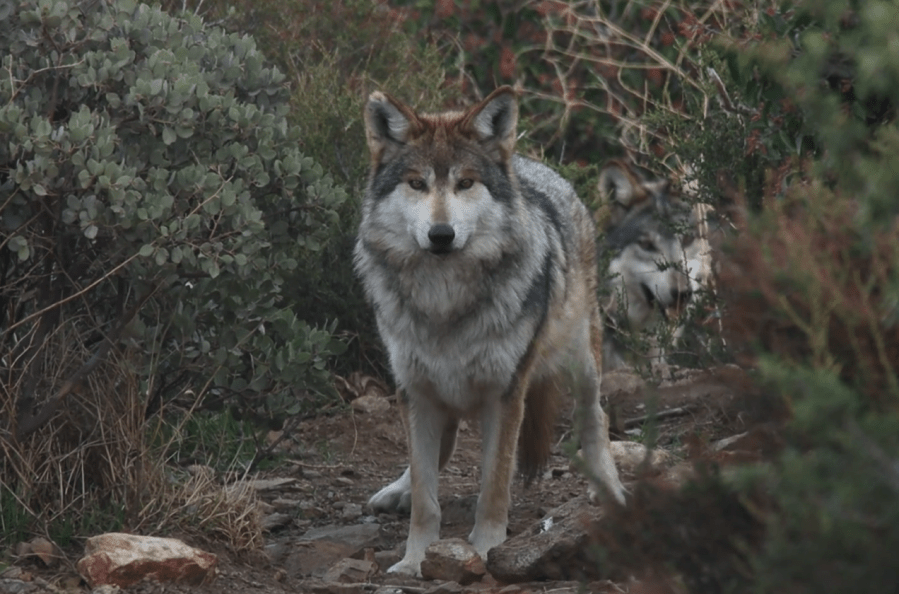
pixel 494 122
pixel 621 188
pixel 389 124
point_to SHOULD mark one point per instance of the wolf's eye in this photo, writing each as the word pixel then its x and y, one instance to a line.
pixel 648 245
pixel 465 183
pixel 417 184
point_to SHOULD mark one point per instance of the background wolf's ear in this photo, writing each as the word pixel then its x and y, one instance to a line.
pixel 618 185
pixel 620 188
pixel 388 125
pixel 494 122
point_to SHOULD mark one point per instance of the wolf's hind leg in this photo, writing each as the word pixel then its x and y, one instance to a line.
pixel 397 496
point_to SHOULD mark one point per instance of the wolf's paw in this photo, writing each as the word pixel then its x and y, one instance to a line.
pixel 407 567
pixel 483 538
pixel 599 494
pixel 395 497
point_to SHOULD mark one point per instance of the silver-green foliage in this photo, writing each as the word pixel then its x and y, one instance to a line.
pixel 148 154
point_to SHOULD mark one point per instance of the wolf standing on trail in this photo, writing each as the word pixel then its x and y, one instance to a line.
pixel 481 266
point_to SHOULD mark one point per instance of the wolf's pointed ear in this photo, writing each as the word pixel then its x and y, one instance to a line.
pixel 494 122
pixel 389 124
pixel 620 188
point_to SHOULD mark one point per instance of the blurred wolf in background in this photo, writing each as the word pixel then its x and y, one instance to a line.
pixel 661 259
pixel 481 266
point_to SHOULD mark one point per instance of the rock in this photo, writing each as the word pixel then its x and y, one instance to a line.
pixel 387 559
pixel 285 504
pixel 351 511
pixel 307 557
pixel 124 559
pixel 41 548
pixel 350 571
pixel 322 587
pixel 554 548
pixel 357 535
pixel 371 404
pixel 13 586
pixel 276 520
pixel 261 485
pixel 446 588
pixel 629 455
pixel 320 548
pixel 452 560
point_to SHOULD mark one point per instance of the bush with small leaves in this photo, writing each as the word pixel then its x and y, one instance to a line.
pixel 155 206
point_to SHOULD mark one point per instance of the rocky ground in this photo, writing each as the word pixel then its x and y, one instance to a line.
pixel 320 537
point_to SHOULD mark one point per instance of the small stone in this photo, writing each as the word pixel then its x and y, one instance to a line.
pixel 453 560
pixel 350 571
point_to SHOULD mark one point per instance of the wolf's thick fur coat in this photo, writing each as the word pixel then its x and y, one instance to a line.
pixel 481 266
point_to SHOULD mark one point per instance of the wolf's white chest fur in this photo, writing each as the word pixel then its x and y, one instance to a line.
pixel 451 342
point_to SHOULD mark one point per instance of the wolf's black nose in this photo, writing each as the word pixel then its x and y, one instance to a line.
pixel 441 237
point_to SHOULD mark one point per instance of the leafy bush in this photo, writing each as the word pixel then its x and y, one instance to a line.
pixel 156 207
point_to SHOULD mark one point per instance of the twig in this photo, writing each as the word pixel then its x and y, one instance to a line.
pixel 662 414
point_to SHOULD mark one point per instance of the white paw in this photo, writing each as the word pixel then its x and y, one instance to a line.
pixel 395 497
pixel 485 538
pixel 599 494
pixel 407 567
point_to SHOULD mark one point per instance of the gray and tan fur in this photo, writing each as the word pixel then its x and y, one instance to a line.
pixel 661 258
pixel 481 267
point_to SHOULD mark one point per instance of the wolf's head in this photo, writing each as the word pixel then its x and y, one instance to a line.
pixel 659 258
pixel 436 179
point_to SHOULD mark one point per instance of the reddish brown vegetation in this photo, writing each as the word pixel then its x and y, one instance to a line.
pixel 806 287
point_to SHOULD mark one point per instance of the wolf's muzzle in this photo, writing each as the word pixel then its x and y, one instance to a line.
pixel 441 237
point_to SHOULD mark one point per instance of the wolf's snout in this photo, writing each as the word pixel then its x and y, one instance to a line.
pixel 441 237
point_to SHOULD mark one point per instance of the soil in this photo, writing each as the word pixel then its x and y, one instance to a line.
pixel 339 461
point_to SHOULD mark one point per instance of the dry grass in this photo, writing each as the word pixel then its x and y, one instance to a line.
pixel 91 467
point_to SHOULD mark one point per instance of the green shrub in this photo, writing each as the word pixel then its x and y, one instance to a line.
pixel 154 205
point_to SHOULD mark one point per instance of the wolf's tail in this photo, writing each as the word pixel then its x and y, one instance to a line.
pixel 537 429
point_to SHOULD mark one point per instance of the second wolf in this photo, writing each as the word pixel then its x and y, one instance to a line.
pixel 481 266
pixel 661 258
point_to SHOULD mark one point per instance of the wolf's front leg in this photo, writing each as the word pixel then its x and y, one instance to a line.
pixel 592 424
pixel 500 423
pixel 427 426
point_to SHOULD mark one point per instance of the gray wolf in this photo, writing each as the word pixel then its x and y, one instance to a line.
pixel 661 259
pixel 481 267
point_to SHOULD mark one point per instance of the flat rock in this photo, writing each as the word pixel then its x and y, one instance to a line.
pixel 320 548
pixel 125 559
pixel 273 484
pixel 554 548
pixel 357 535
pixel 350 571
